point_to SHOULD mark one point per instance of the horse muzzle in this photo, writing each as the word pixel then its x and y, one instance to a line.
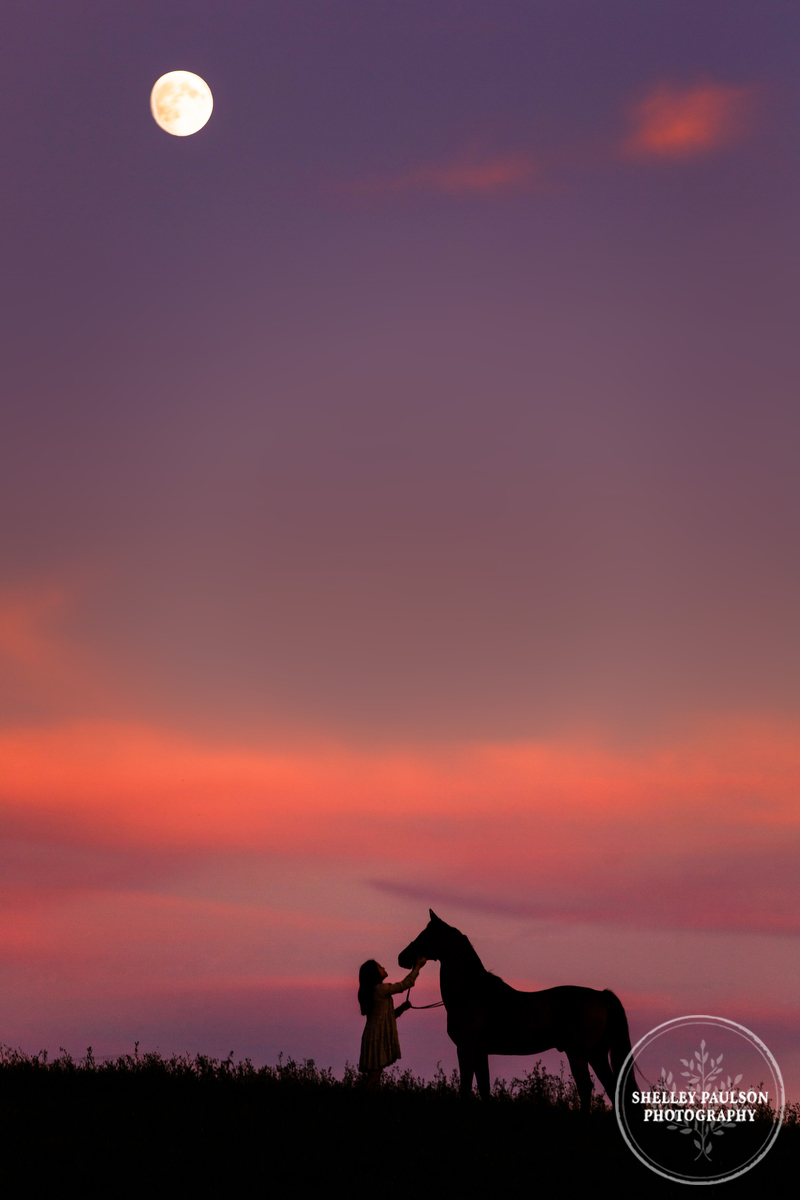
pixel 407 958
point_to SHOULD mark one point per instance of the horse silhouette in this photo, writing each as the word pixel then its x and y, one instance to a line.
pixel 487 1016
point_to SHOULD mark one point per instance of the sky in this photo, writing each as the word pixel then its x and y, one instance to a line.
pixel 399 497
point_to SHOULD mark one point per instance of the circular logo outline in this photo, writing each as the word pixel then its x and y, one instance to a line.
pixel 630 1063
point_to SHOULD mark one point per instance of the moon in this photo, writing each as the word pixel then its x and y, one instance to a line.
pixel 181 102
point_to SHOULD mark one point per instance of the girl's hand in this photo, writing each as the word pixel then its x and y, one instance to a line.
pixel 421 963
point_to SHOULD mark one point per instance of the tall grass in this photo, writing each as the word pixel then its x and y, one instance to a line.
pixel 537 1087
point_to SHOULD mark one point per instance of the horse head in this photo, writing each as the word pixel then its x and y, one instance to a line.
pixel 427 944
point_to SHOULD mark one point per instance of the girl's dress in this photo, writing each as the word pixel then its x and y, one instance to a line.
pixel 380 1045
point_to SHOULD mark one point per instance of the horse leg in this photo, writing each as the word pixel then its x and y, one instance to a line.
pixel 482 1075
pixel 583 1080
pixel 466 1069
pixel 599 1064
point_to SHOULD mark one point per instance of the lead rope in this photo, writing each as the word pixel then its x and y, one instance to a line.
pixel 419 1007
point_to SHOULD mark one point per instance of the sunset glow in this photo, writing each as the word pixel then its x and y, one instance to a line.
pixel 400 511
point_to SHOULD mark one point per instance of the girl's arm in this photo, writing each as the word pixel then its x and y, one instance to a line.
pixel 390 989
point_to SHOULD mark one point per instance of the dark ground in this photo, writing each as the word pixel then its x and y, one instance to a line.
pixel 144 1126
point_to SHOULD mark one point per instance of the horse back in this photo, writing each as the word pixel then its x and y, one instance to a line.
pixel 507 1021
pixel 575 1017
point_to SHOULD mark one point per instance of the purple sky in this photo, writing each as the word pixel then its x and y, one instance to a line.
pixel 434 406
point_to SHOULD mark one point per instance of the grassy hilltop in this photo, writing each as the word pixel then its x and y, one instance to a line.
pixel 144 1125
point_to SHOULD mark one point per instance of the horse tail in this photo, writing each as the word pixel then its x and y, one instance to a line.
pixel 619 1038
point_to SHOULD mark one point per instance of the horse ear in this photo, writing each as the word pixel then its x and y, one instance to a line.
pixel 433 915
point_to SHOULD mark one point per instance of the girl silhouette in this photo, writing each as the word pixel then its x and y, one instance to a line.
pixel 380 1045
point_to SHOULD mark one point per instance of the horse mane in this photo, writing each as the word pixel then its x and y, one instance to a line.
pixel 471 953
pixel 488 978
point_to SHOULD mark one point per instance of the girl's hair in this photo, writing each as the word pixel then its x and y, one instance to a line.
pixel 368 976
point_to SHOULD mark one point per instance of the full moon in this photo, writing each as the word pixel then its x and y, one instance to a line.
pixel 181 102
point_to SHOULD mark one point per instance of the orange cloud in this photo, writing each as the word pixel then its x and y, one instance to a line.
pixel 674 122
pixel 151 780
pixel 670 122
pixel 468 175
pixel 38 660
pixel 698 832
pixel 26 639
